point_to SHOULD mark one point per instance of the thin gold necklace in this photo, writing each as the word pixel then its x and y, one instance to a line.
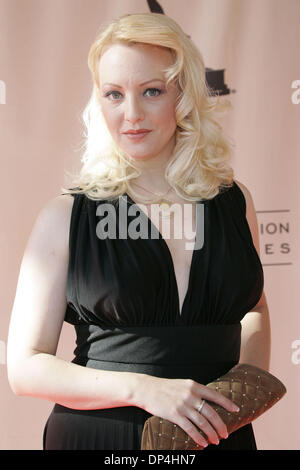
pixel 163 203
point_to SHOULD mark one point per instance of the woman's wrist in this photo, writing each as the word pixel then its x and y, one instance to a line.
pixel 139 384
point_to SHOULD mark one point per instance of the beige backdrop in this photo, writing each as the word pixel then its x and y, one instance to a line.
pixel 44 86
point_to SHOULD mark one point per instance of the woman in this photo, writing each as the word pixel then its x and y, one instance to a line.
pixel 155 320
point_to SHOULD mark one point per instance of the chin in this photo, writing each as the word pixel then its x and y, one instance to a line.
pixel 141 157
pixel 138 153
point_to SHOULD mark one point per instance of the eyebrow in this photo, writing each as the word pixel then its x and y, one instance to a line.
pixel 141 84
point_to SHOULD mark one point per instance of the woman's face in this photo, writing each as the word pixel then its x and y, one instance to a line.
pixel 127 102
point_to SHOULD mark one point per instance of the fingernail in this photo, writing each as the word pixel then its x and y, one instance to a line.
pixel 236 408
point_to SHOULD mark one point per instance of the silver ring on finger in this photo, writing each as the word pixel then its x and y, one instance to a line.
pixel 199 407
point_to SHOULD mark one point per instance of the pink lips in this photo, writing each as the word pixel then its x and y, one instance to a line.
pixel 136 131
pixel 137 135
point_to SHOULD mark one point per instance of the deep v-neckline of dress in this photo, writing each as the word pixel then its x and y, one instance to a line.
pixel 166 248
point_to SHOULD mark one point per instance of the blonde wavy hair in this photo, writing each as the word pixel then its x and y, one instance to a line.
pixel 199 166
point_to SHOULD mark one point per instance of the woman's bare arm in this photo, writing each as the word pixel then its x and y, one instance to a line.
pixel 37 319
pixel 256 338
pixel 256 329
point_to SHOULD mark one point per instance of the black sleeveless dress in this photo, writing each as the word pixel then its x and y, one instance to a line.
pixel 122 298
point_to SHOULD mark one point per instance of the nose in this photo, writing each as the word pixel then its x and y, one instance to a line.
pixel 133 110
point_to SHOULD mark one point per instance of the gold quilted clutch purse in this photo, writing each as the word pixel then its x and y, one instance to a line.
pixel 252 389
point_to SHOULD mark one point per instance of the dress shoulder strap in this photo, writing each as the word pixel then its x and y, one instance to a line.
pixel 239 197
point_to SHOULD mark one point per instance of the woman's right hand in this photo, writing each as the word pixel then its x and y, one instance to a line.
pixel 177 400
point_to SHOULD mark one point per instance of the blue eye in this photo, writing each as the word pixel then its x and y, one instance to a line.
pixel 155 89
pixel 118 93
pixel 110 93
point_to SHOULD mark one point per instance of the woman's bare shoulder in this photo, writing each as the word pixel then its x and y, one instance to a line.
pixel 52 223
pixel 58 209
pixel 64 202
